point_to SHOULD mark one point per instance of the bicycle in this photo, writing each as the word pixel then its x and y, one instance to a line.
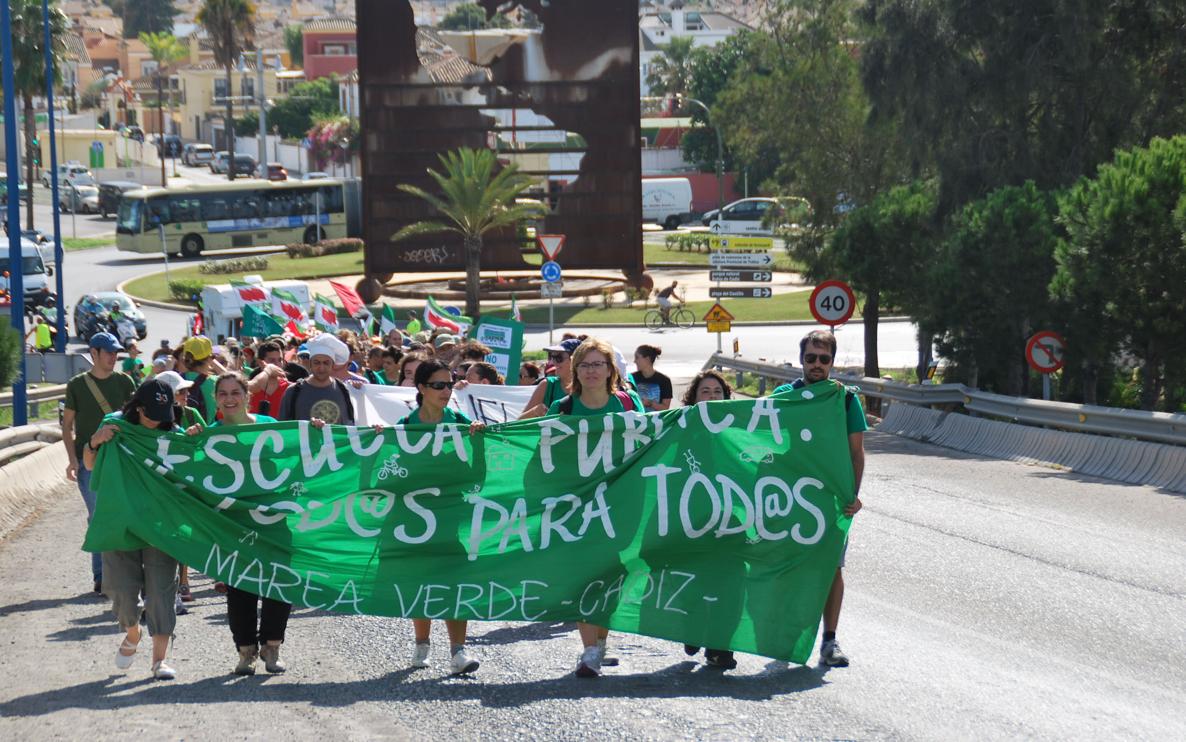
pixel 681 317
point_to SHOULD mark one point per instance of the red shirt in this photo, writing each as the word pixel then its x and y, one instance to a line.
pixel 273 399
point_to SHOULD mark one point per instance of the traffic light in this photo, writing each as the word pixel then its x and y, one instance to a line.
pixel 36 150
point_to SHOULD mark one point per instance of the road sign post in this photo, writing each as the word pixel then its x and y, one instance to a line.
pixel 757 292
pixel 718 320
pixel 550 245
pixel 832 303
pixel 1046 353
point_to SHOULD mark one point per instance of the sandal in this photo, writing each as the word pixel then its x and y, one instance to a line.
pixel 124 661
pixel 220 587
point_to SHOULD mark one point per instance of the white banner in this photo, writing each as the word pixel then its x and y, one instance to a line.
pixel 385 405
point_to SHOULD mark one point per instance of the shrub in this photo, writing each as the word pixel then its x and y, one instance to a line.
pixel 11 348
pixel 325 247
pixel 234 265
pixel 187 290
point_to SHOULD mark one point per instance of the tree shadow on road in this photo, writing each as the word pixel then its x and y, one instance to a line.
pixel 680 680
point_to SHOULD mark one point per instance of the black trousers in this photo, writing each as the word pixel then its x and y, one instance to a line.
pixel 241 613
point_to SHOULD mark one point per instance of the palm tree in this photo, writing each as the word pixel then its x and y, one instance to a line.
pixel 165 49
pixel 476 200
pixel 28 62
pixel 231 27
pixel 671 72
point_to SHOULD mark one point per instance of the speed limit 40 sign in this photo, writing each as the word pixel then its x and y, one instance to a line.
pixel 832 303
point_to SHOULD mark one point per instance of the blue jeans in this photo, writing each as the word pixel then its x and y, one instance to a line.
pixel 88 497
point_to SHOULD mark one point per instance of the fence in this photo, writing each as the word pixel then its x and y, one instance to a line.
pixel 1125 445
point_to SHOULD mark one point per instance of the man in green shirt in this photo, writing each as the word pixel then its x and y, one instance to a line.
pixel 89 397
pixel 133 365
pixel 817 354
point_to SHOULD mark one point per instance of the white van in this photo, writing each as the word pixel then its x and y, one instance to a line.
pixel 33 269
pixel 223 306
pixel 667 201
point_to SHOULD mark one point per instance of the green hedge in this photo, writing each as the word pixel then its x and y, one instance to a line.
pixel 325 247
pixel 186 289
pixel 234 265
pixel 11 347
pixel 696 242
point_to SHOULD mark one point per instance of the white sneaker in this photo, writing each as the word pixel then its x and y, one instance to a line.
pixel 161 670
pixel 589 666
pixel 462 663
pixel 420 656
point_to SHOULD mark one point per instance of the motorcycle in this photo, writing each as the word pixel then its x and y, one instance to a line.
pixel 92 323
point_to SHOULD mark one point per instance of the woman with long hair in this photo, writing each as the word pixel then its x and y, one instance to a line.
pixel 556 384
pixel 595 390
pixel 434 387
pixel 127 574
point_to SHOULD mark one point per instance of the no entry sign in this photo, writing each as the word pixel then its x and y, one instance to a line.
pixel 1045 352
pixel 832 303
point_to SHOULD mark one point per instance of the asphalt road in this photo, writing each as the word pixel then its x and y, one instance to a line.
pixel 986 600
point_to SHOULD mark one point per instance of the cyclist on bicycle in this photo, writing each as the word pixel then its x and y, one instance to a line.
pixel 665 301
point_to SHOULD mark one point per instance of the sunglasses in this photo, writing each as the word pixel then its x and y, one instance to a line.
pixel 557 357
pixel 438 385
pixel 823 358
pixel 592 365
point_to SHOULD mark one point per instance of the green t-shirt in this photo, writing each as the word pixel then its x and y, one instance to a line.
pixel 258 418
pixel 854 413
pixel 448 415
pixel 189 417
pixel 133 367
pixel 614 405
pixel 117 389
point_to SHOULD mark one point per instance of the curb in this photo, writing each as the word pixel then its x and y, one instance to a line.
pixel 151 302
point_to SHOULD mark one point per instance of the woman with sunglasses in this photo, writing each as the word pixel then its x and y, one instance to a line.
pixel 126 574
pixel 556 385
pixel 434 387
pixel 595 391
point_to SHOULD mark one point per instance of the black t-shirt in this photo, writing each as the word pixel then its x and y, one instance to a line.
pixel 667 292
pixel 655 387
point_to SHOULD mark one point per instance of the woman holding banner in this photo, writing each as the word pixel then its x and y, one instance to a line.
pixel 434 386
pixel 595 383
pixel 253 638
pixel 128 573
pixel 555 385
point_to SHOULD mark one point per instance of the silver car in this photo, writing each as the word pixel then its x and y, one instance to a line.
pixel 82 198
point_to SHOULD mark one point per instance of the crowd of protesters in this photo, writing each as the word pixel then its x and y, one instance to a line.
pixel 200 384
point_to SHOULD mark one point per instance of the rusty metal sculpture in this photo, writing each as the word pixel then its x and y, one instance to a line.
pixel 578 78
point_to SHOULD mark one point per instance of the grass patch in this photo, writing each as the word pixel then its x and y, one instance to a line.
pixel 657 252
pixel 280 266
pixel 780 308
pixel 86 243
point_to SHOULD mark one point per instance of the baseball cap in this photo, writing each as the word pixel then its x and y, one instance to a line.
pixel 105 341
pixel 199 347
pixel 156 400
pixel 565 346
pixel 303 351
pixel 445 339
pixel 160 361
pixel 174 380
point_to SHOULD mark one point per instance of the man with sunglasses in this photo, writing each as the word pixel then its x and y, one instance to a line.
pixel 817 352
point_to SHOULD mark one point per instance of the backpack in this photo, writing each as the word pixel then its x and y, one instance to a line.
pixel 341 385
pixel 623 397
pixel 197 398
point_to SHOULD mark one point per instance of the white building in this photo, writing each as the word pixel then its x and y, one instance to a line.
pixel 656 28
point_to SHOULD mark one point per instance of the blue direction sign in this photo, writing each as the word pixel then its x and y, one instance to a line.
pixel 550 271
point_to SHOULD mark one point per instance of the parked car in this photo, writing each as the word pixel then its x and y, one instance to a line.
pixel 64 171
pixel 244 165
pixel 133 132
pixel 169 146
pixel 91 313
pixel 220 162
pixel 80 178
pixel 315 175
pixel 271 171
pixel 197 154
pixel 23 191
pixel 110 193
pixel 83 198
pixel 744 216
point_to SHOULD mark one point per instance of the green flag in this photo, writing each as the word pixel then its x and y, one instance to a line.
pixel 259 324
pixel 718 525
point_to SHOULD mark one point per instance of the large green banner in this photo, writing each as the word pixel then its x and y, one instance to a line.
pixel 718 525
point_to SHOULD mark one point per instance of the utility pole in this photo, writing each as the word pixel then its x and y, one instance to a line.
pixel 262 137
pixel 16 283
pixel 56 205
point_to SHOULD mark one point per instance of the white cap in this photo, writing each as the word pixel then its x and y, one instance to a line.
pixel 174 380
pixel 326 344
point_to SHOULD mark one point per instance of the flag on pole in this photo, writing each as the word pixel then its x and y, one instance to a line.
pixel 515 313
pixel 251 293
pixel 435 316
pixel 287 307
pixel 387 322
pixel 259 324
pixel 325 314
pixel 351 301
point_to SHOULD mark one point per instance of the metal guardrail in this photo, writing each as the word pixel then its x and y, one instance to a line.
pixel 1162 427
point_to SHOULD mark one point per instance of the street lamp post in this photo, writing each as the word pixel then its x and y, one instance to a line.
pixel 56 205
pixel 720 152
pixel 16 283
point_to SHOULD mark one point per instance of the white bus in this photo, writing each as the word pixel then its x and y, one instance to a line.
pixel 222 216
